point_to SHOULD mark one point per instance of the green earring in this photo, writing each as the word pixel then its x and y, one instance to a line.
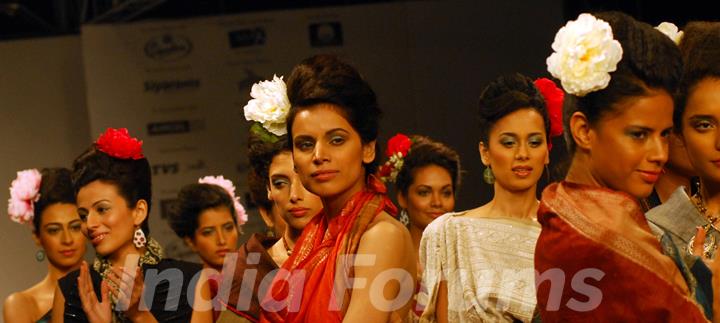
pixel 488 176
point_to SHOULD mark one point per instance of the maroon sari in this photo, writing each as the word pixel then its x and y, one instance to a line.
pixel 613 266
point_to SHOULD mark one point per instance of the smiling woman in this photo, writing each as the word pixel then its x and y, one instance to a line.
pixel 113 189
pixel 332 129
pixel 46 200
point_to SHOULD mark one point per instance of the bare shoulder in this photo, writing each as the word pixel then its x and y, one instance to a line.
pixel 18 307
pixel 387 228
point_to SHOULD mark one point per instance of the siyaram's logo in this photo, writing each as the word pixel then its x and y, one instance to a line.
pixel 161 86
pixel 168 47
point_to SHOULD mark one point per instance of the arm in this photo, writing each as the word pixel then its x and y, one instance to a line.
pixel 15 309
pixel 441 313
pixel 202 308
pixel 392 247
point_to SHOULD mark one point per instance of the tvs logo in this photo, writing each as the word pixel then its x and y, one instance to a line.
pixel 168 47
pixel 247 37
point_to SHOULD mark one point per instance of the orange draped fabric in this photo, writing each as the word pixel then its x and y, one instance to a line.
pixel 303 291
pixel 591 228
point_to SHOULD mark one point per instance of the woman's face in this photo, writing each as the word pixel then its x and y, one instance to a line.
pixel 111 223
pixel 700 132
pixel 429 196
pixel 296 205
pixel 517 150
pixel 328 153
pixel 60 235
pixel 215 236
pixel 629 147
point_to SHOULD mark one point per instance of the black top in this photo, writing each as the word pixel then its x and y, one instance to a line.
pixel 167 273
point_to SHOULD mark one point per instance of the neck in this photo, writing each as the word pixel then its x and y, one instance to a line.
pixel 291 235
pixel 581 173
pixel 711 195
pixel 669 182
pixel 514 204
pixel 333 205
pixel 119 257
pixel 416 235
pixel 55 273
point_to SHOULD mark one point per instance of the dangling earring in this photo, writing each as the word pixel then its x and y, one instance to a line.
pixel 139 238
pixel 404 218
pixel 40 255
pixel 488 176
pixel 270 232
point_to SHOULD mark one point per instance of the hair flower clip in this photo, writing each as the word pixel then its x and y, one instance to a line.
pixel 585 53
pixel 554 97
pixel 397 149
pixel 229 187
pixel 118 143
pixel 268 107
pixel 670 30
pixel 24 192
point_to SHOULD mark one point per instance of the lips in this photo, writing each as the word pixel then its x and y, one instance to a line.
pixel 649 177
pixel 324 175
pixel 716 163
pixel 434 215
pixel 98 237
pixel 299 212
pixel 222 252
pixel 67 253
pixel 522 171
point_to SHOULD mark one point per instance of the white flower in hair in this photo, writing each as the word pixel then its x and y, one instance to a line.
pixel 269 105
pixel 585 53
pixel 670 30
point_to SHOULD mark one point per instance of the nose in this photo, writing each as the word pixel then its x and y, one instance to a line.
pixel 522 152
pixel 221 239
pixel 297 190
pixel 658 151
pixel 436 200
pixel 66 237
pixel 319 154
pixel 92 221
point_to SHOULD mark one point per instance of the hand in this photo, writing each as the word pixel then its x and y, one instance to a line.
pixel 128 291
pixel 96 312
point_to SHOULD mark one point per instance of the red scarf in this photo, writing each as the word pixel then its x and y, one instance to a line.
pixel 293 297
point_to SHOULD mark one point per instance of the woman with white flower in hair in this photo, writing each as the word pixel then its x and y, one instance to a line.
pixel 45 200
pixel 596 257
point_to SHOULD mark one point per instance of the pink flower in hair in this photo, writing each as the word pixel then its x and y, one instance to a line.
pixel 229 187
pixel 24 192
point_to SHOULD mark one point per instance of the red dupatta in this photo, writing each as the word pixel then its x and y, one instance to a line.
pixel 303 291
pixel 595 228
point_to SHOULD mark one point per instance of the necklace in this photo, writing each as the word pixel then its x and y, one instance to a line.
pixel 287 248
pixel 709 246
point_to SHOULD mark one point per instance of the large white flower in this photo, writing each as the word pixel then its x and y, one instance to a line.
pixel 269 105
pixel 585 54
pixel 670 30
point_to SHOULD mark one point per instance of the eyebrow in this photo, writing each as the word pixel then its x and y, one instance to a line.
pixel 512 134
pixel 60 224
pixel 702 116
pixel 96 203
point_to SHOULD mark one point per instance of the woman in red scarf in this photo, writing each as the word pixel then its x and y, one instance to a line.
pixel 354 262
pixel 596 257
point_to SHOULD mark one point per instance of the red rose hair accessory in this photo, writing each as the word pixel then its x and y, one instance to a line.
pixel 24 192
pixel 554 97
pixel 397 149
pixel 118 143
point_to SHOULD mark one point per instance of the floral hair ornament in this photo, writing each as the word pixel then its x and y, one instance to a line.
pixel 670 30
pixel 228 186
pixel 269 108
pixel 24 192
pixel 554 97
pixel 585 53
pixel 397 149
pixel 118 143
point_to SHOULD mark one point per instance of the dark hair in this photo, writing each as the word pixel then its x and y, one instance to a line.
pixel 131 177
pixel 327 79
pixel 424 152
pixel 700 49
pixel 192 200
pixel 650 60
pixel 55 187
pixel 505 95
pixel 261 154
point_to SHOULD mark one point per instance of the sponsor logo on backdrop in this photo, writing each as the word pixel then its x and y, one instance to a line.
pixel 168 127
pixel 197 165
pixel 326 34
pixel 168 47
pixel 247 37
pixel 166 206
pixel 161 86
pixel 165 169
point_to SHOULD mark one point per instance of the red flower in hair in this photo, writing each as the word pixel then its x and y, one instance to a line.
pixel 118 143
pixel 398 144
pixel 554 97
